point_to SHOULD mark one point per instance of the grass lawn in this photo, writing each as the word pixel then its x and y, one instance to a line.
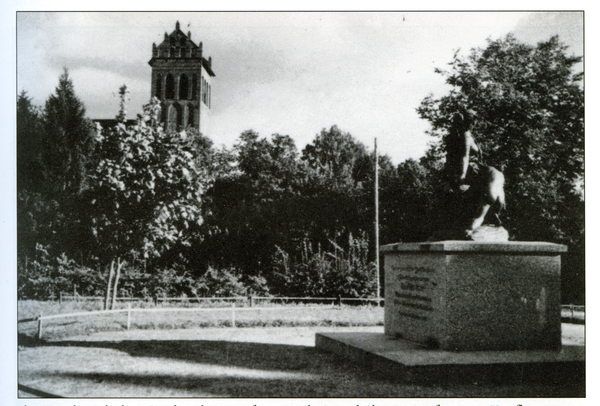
pixel 99 358
pixel 172 317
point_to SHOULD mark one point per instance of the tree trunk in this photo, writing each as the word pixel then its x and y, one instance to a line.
pixel 114 298
pixel 109 285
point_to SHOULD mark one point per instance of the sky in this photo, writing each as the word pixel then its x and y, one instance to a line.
pixel 292 73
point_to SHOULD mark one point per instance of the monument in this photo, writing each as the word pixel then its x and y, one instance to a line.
pixel 477 291
pixel 468 298
pixel 471 188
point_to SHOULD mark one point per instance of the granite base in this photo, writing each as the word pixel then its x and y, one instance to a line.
pixel 406 361
pixel 474 296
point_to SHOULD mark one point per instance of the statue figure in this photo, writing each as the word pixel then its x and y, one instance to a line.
pixel 472 187
pixel 459 146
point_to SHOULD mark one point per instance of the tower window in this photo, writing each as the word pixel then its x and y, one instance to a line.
pixel 170 87
pixel 194 86
pixel 171 118
pixel 204 91
pixel 179 115
pixel 158 92
pixel 190 116
pixel 184 87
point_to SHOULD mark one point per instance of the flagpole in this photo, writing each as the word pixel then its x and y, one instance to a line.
pixel 377 224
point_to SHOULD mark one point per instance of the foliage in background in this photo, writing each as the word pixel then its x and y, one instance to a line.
pixel 68 142
pixel 54 147
pixel 529 123
pixel 332 272
pixel 29 144
pixel 186 219
pixel 44 277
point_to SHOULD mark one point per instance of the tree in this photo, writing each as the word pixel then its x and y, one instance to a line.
pixel 406 203
pixel 276 205
pixel 252 208
pixel 339 189
pixel 529 106
pixel 144 193
pixel 54 152
pixel 530 124
pixel 68 142
pixel 34 213
pixel 29 148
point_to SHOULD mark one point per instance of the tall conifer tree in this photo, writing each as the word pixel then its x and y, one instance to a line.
pixel 67 143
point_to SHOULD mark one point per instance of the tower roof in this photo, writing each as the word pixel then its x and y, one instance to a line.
pixel 178 45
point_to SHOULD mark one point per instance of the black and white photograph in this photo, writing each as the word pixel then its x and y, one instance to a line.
pixel 314 207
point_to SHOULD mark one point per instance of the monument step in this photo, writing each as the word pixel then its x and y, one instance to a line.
pixel 407 361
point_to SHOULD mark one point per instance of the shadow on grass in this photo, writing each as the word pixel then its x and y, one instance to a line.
pixel 278 370
pixel 233 369
pixel 276 357
pixel 199 386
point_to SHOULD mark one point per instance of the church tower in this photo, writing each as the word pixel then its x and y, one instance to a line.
pixel 181 80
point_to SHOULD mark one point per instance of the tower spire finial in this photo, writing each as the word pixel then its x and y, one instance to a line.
pixel 177 25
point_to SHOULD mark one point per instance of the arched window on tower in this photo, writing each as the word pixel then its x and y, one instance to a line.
pixel 163 114
pixel 194 86
pixel 171 118
pixel 190 117
pixel 179 115
pixel 158 92
pixel 204 89
pixel 184 85
pixel 170 87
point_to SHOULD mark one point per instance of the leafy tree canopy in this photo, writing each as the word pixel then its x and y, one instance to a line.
pixel 145 190
pixel 529 105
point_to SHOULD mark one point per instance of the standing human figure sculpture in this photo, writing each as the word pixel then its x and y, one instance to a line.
pixel 480 186
pixel 459 146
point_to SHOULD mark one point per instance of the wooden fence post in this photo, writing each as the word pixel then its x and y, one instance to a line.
pixel 116 286
pixel 250 300
pixel 233 315
pixel 128 316
pixel 109 285
pixel 60 298
pixel 40 326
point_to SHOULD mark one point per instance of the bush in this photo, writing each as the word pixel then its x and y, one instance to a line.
pixel 45 277
pixel 214 282
pixel 320 273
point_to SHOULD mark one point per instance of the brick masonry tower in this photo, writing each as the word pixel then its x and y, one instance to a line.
pixel 181 80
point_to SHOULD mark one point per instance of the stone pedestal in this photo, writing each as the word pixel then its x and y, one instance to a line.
pixel 474 296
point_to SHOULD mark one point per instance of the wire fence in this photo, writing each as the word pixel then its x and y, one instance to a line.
pixel 233 310
pixel 241 300
pixel 569 313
